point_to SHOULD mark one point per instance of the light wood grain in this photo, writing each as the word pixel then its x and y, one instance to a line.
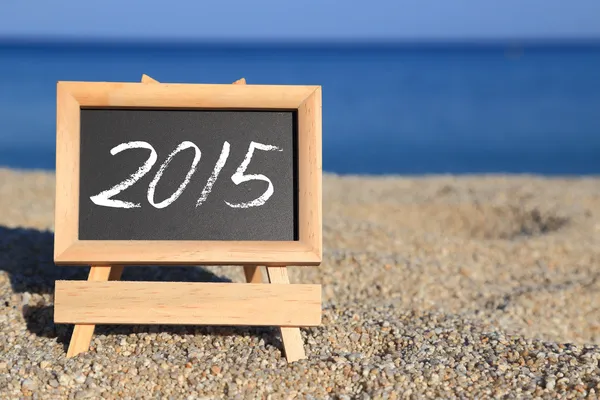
pixel 82 333
pixel 147 79
pixel 66 212
pixel 310 173
pixel 170 252
pixel 290 336
pixel 179 95
pixel 177 303
pixel 72 96
pixel 115 272
pixel 252 273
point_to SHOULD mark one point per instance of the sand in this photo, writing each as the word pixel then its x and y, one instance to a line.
pixel 442 286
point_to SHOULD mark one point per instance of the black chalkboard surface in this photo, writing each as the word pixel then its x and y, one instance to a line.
pixel 168 174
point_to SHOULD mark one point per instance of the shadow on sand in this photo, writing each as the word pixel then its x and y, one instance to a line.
pixel 27 256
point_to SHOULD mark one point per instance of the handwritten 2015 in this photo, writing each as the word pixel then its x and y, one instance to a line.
pixel 106 197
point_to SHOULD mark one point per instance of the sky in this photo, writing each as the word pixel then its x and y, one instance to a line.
pixel 301 19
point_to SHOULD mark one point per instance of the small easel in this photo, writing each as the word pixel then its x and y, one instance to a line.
pixel 291 337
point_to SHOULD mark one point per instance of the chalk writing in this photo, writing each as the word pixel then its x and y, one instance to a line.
pixel 105 198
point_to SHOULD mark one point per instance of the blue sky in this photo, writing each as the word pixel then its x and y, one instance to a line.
pixel 301 19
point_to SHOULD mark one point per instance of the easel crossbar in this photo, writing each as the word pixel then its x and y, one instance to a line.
pixel 187 303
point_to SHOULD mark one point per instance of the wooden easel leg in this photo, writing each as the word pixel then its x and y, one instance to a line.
pixel 253 274
pixel 82 333
pixel 291 337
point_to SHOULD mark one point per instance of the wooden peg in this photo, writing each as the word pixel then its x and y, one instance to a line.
pixel 147 79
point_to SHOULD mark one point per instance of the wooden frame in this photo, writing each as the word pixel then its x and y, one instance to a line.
pixel 187 303
pixel 73 96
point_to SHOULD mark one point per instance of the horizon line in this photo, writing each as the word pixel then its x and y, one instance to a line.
pixel 32 40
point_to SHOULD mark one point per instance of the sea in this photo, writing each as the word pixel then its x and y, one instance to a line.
pixel 388 108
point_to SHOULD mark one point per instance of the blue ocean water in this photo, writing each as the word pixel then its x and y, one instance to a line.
pixel 387 109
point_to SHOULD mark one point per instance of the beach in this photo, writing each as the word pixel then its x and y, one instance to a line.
pixel 433 287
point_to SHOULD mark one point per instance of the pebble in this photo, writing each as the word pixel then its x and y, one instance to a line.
pixel 64 379
pixel 29 384
pixel 433 287
pixel 85 394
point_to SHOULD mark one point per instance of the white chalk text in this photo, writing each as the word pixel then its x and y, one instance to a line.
pixel 106 197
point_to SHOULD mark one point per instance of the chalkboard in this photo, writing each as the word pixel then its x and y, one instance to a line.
pixel 168 174
pixel 188 174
